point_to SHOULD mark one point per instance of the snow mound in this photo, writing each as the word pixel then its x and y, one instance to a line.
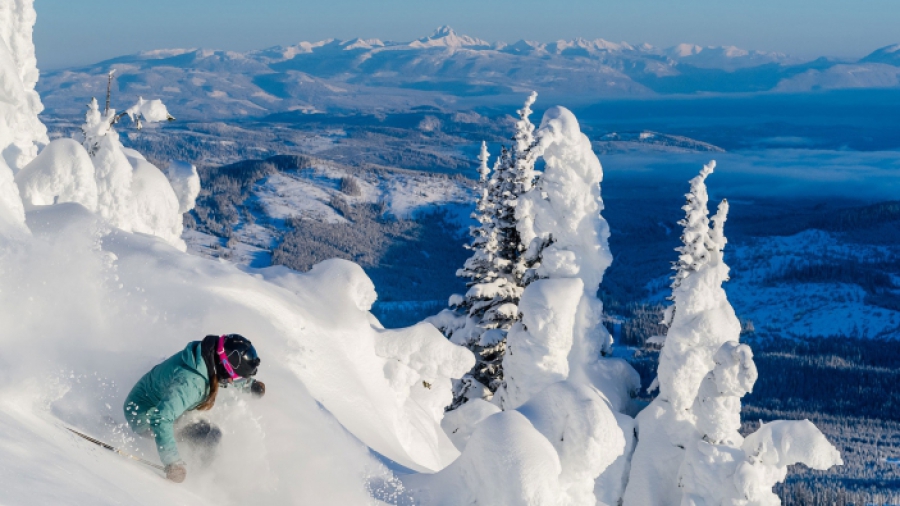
pixel 538 346
pixel 582 428
pixel 393 384
pixel 767 453
pixel 62 172
pixel 353 287
pixel 786 442
pixel 459 424
pixel 154 203
pixel 548 452
pixel 507 461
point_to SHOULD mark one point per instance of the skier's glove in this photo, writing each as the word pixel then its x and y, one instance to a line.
pixel 176 472
pixel 258 388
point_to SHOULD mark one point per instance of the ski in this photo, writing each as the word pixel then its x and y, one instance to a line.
pixel 116 450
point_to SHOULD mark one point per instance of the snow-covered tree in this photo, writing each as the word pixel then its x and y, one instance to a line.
pixel 566 238
pixel 132 193
pixel 696 292
pixel 480 318
pixel 514 177
pixel 553 369
pixel 482 266
pixel 112 171
pixel 477 318
pixel 689 450
pixel 21 131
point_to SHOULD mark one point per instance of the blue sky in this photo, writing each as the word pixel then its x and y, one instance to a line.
pixel 75 32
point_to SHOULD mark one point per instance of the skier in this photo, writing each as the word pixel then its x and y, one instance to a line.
pixel 187 381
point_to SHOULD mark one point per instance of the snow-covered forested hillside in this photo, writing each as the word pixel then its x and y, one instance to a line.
pixel 444 69
pixel 248 207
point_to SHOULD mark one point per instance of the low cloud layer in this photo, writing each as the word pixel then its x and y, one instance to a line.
pixel 774 172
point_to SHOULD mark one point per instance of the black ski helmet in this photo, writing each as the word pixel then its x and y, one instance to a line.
pixel 241 355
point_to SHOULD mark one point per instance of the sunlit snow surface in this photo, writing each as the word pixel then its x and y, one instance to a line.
pixel 337 385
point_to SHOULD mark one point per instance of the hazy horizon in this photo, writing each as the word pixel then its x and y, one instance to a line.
pixel 800 28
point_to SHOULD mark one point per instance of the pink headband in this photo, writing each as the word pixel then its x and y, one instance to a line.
pixel 220 350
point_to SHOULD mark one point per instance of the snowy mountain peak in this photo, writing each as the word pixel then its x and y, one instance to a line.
pixel 887 54
pixel 734 52
pixel 443 31
pixel 683 50
pixel 612 46
pixel 358 43
pixel 165 53
pixel 286 53
pixel 724 57
pixel 524 47
pixel 444 36
pixel 687 50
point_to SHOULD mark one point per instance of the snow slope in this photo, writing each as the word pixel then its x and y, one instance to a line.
pixel 123 302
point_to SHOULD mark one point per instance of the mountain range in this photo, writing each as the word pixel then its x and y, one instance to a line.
pixel 445 70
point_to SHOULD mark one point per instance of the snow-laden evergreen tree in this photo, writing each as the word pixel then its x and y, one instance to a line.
pixel 689 450
pixel 480 318
pixel 555 350
pixel 559 221
pixel 482 266
pixel 514 177
pixel 21 131
pixel 132 193
pixel 554 373
pixel 112 171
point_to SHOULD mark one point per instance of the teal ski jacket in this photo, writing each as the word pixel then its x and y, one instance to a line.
pixel 162 395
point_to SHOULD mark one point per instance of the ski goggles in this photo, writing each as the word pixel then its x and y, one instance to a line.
pixel 247 360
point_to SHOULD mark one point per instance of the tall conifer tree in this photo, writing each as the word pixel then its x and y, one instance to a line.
pixel 481 317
